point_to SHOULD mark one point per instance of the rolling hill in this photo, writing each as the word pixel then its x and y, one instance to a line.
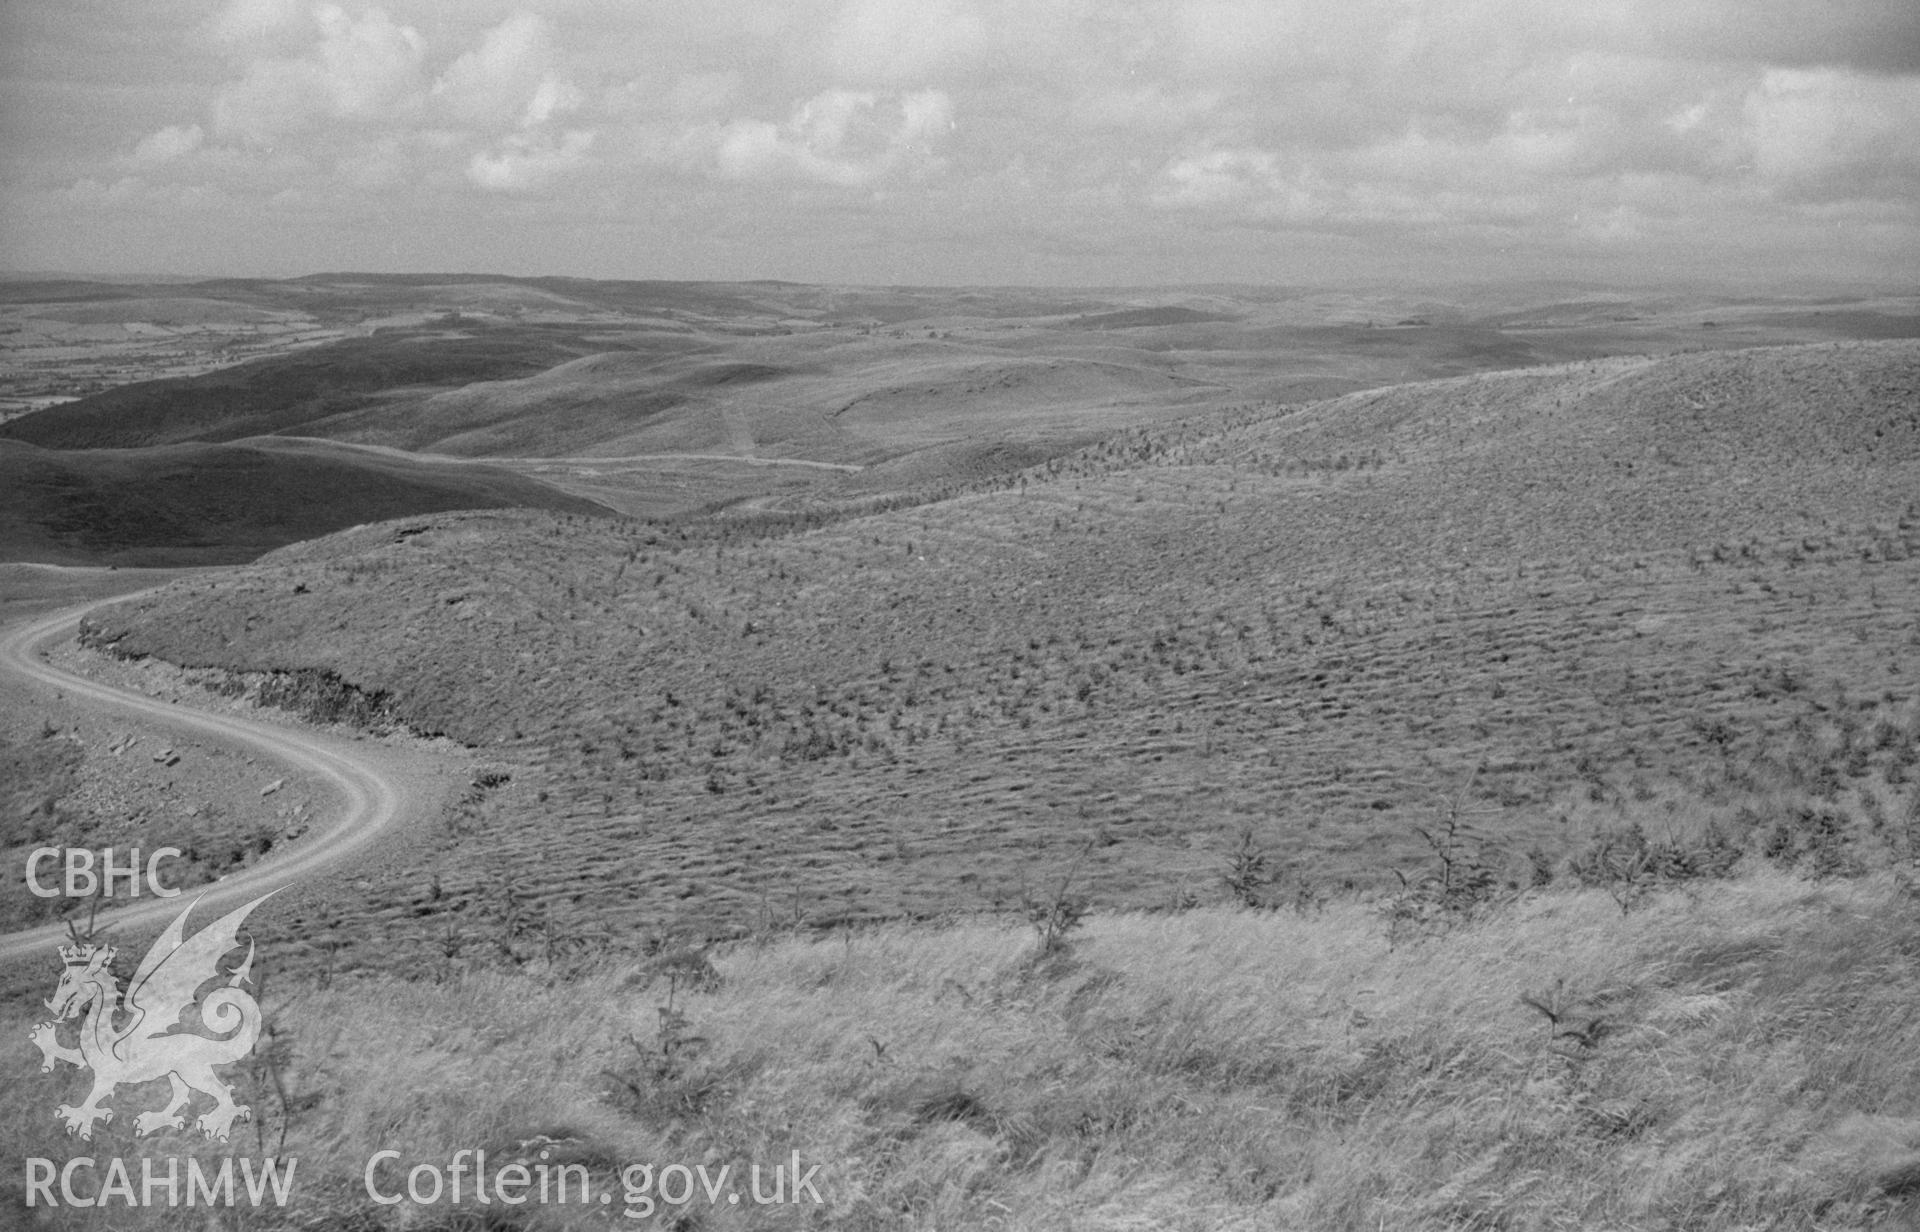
pixel 283 393
pixel 202 504
pixel 665 399
pixel 479 365
pixel 1682 587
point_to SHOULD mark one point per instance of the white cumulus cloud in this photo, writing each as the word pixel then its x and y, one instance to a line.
pixel 490 85
pixel 849 138
pixel 359 69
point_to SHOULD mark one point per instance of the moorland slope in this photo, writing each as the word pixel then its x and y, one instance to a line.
pixel 199 504
pixel 1681 588
pixel 285 393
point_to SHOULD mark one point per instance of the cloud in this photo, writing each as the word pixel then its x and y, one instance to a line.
pixel 170 143
pixel 1260 188
pixel 356 90
pixel 539 152
pixel 139 193
pixel 1522 176
pixel 528 161
pixel 510 77
pixel 551 100
pixel 370 65
pixel 1823 134
pixel 360 69
pixel 1222 177
pixel 491 84
pixel 1603 121
pixel 1124 124
pixel 847 138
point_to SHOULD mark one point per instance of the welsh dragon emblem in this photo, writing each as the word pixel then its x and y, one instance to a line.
pixel 142 1036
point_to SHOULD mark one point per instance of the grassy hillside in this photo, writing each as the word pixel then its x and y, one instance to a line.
pixel 221 504
pixel 476 364
pixel 1681 590
pixel 1734 1056
pixel 284 393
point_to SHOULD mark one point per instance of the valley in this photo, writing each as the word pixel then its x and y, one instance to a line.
pixel 1225 757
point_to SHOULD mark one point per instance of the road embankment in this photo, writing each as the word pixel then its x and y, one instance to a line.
pixel 375 788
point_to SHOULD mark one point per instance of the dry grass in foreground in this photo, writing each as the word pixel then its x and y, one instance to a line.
pixel 1729 1055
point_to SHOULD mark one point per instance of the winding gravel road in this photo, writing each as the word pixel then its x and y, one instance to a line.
pixel 373 787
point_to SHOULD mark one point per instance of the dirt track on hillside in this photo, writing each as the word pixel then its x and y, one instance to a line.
pixel 376 787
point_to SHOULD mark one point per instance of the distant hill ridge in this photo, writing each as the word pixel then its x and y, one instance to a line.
pixel 285 393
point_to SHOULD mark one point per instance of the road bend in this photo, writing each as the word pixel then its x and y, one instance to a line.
pixel 372 787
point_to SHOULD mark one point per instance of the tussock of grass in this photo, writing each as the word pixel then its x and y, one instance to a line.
pixel 1735 1055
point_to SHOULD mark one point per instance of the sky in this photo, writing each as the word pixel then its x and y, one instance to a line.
pixel 979 142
